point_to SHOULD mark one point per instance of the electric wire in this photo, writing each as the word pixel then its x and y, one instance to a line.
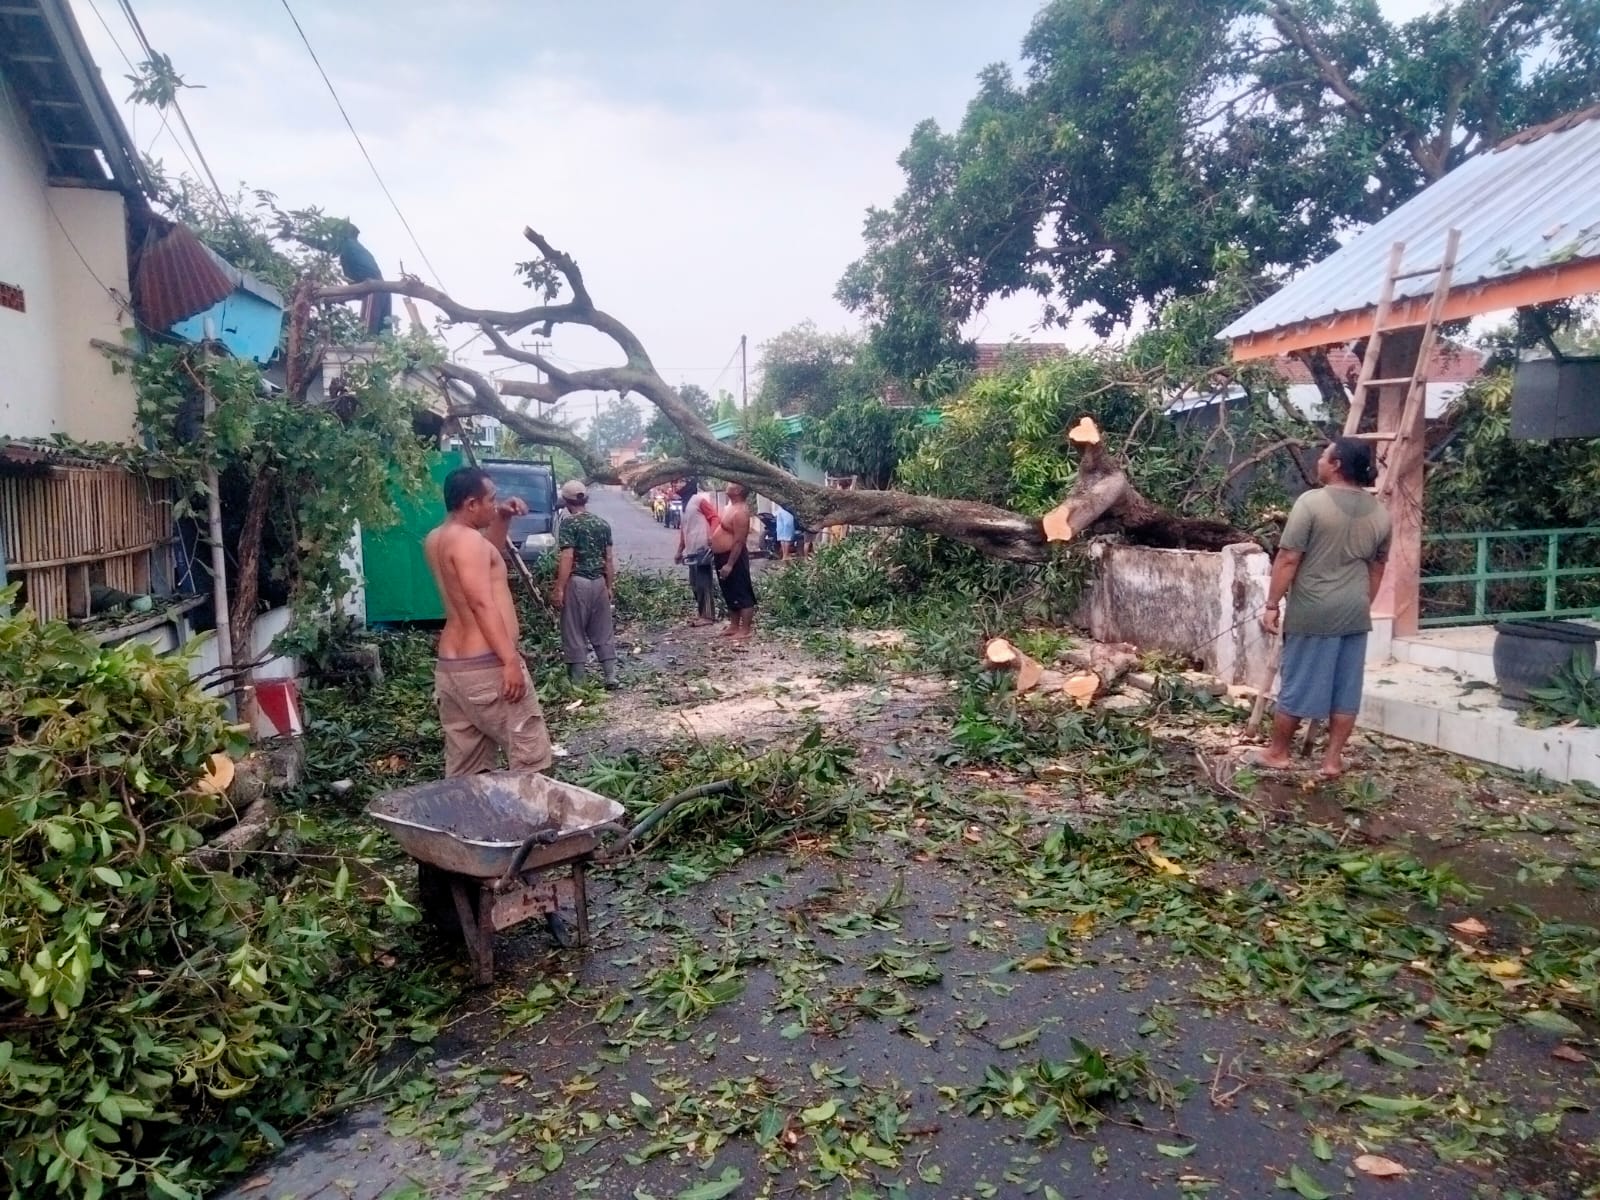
pixel 361 145
pixel 150 55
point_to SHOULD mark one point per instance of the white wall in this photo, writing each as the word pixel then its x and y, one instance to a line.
pixel 30 392
pixel 52 380
pixel 1200 604
pixel 89 246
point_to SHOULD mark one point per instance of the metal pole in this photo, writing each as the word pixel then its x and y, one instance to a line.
pixel 744 382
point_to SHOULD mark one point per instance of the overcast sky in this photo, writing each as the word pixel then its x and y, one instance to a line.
pixel 709 163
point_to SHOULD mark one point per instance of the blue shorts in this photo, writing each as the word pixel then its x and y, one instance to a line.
pixel 1321 675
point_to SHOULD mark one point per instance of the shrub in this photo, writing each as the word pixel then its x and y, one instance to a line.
pixel 157 1021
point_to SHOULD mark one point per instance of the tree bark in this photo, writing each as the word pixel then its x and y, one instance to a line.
pixel 1104 501
pixel 996 532
pixel 247 575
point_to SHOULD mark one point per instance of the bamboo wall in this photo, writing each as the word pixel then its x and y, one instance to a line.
pixel 74 527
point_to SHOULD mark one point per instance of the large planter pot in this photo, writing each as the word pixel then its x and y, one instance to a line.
pixel 1527 655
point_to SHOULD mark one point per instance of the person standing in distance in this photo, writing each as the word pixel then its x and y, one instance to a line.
pixel 486 698
pixel 586 579
pixel 1330 562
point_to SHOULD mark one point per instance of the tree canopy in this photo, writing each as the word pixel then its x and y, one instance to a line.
pixel 1145 136
pixel 804 370
pixel 617 424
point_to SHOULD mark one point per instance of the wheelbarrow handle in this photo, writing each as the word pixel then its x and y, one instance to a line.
pixel 543 837
pixel 655 815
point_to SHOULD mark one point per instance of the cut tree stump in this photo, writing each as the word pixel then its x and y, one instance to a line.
pixel 1000 655
pixel 1104 501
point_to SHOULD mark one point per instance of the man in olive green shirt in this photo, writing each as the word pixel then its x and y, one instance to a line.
pixel 586 574
pixel 1330 561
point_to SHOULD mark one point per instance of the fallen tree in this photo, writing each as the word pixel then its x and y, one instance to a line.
pixel 1103 499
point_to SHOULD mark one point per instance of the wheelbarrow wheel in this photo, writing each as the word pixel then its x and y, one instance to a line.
pixel 563 930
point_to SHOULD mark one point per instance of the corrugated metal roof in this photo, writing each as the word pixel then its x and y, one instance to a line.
pixel 38 458
pixel 178 276
pixel 1533 202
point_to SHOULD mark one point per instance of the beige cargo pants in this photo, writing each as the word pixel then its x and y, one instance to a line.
pixel 479 722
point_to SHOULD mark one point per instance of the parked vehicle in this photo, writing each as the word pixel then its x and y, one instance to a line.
pixel 534 483
pixel 769 534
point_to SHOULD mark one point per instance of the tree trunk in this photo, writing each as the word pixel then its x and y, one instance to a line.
pixel 1102 501
pixel 247 575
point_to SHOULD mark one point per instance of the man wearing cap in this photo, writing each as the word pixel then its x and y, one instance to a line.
pixel 586 573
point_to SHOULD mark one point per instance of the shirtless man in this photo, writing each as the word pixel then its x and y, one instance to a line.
pixel 731 553
pixel 486 698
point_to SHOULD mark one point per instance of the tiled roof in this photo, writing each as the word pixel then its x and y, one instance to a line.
pixel 1451 364
pixel 993 356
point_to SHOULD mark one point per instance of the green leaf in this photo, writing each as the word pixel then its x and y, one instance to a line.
pixel 1043 1121
pixel 1546 1021
pixel 1401 1105
pixel 1395 1058
pixel 1176 1151
pixel 715 1189
pixel 822 1112
pixel 1301 1181
pixel 1320 1147
pixel 1021 1039
pixel 108 877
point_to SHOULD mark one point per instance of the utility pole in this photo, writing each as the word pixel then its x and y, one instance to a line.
pixel 744 382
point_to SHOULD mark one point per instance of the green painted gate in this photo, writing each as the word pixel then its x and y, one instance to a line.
pixel 399 585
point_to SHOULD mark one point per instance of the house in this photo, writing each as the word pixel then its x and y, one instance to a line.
pixel 628 452
pixel 89 273
pixel 73 192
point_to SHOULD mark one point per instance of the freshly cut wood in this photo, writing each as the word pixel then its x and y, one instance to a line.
pixel 1109 660
pixel 1084 433
pixel 1000 655
pixel 1058 524
pixel 1102 500
pixel 1082 686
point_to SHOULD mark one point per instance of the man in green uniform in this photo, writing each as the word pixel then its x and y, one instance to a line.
pixel 1330 561
pixel 586 575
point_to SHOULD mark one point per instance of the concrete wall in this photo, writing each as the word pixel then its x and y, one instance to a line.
pixel 1199 604
pixel 90 249
pixel 52 380
pixel 30 392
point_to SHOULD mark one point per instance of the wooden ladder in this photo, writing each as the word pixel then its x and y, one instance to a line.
pixel 1367 384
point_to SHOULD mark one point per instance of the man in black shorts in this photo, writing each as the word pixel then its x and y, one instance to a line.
pixel 731 554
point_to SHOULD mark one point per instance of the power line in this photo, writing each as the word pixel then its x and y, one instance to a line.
pixel 362 145
pixel 150 55
pixel 95 8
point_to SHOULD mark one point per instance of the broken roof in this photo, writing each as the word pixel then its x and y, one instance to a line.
pixel 1529 216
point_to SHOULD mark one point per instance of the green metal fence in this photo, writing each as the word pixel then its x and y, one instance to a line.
pixel 1475 578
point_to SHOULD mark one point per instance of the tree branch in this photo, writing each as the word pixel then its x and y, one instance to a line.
pixel 995 531
pixel 486 402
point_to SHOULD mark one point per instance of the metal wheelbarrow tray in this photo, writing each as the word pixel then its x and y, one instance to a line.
pixel 489 847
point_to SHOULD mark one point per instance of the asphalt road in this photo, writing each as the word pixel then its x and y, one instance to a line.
pixel 640 542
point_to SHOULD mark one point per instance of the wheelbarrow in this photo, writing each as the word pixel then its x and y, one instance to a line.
pixel 496 849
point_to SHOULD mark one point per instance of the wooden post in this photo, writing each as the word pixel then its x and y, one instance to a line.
pixel 219 567
pixel 1399 596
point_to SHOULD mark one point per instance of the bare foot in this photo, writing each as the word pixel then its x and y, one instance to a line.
pixel 1331 772
pixel 1264 758
pixel 701 622
pixel 743 636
